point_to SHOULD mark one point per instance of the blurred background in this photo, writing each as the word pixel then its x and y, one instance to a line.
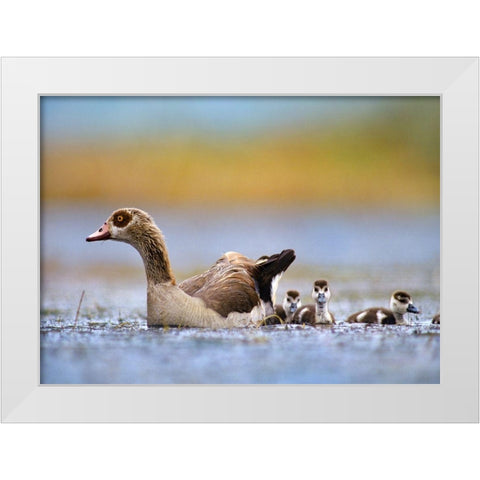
pixel 248 151
pixel 352 184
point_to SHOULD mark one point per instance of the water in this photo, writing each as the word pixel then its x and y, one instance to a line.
pixel 124 353
pixel 196 239
pixel 364 257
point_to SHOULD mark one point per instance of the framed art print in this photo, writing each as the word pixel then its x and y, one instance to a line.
pixel 348 186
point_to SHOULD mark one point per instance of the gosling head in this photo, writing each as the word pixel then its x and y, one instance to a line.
pixel 124 225
pixel 401 303
pixel 291 302
pixel 321 292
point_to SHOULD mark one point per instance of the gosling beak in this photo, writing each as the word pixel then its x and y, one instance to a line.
pixel 101 234
pixel 293 307
pixel 321 298
pixel 412 308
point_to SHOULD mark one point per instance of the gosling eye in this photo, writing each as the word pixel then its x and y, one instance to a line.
pixel 316 289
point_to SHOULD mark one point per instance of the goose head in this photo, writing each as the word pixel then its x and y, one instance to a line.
pixel 401 303
pixel 321 292
pixel 125 225
pixel 291 302
pixel 136 227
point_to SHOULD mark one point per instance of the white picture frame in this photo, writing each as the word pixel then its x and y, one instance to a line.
pixel 24 399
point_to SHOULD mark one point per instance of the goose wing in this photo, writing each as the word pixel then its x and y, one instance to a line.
pixel 196 283
pixel 237 283
pixel 228 286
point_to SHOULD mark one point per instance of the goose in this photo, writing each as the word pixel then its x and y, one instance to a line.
pixel 318 313
pixel 291 302
pixel 235 292
pixel 400 304
pixel 436 319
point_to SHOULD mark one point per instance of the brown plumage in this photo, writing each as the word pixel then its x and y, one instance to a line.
pixel 317 314
pixel 229 281
pixel 308 315
pixel 280 313
pixel 235 291
pixel 373 315
pixel 400 304
pixel 284 313
pixel 305 315
pixel 436 319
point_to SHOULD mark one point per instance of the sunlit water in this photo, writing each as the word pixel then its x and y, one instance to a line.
pixel 364 257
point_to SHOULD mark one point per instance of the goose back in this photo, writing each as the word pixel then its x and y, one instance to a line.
pixel 226 286
pixel 373 315
pixel 235 283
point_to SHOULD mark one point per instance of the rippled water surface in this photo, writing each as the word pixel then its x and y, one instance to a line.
pixel 364 257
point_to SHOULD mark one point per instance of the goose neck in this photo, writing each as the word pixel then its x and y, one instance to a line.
pixel 152 249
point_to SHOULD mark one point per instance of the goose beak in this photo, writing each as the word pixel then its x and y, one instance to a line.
pixel 101 234
pixel 412 308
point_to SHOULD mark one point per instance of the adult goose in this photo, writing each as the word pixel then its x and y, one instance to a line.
pixel 236 291
pixel 400 304
pixel 317 314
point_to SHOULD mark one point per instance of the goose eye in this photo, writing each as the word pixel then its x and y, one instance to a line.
pixel 120 218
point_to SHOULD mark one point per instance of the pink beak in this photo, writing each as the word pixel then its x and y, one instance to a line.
pixel 101 234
